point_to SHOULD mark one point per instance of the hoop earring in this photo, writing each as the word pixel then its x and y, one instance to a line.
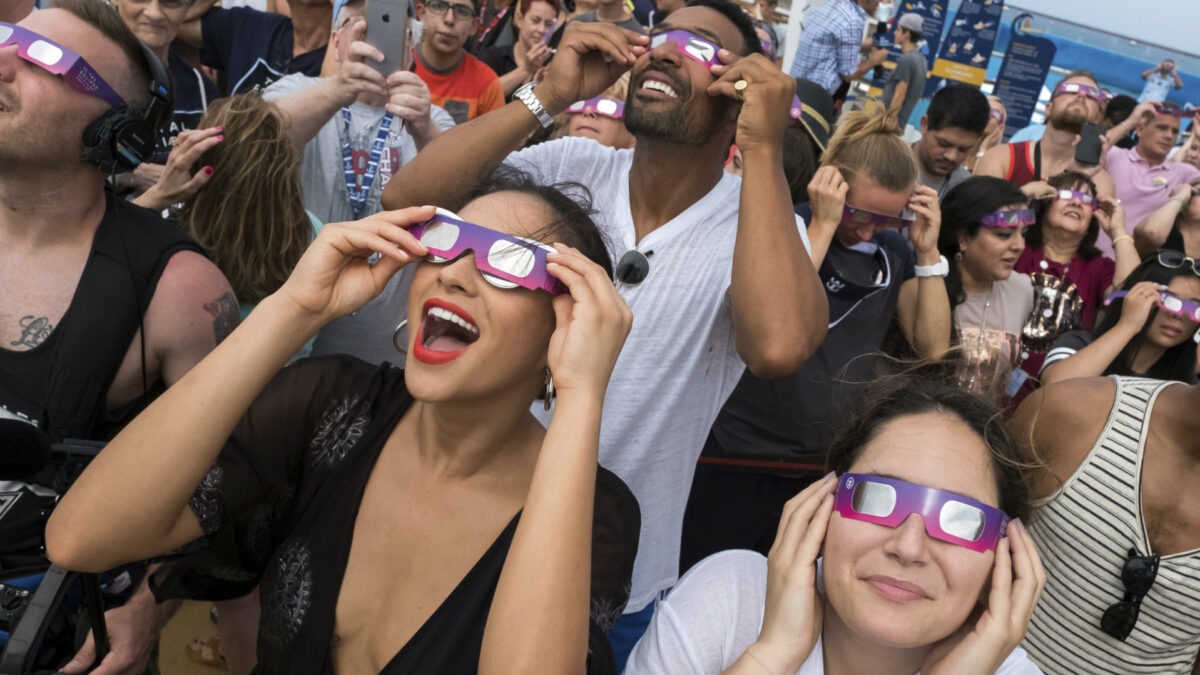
pixel 958 257
pixel 1196 337
pixel 396 338
pixel 548 394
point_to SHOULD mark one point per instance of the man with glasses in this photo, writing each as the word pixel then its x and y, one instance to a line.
pixel 1144 177
pixel 1077 100
pixel 457 81
pixel 714 267
pixel 103 303
pixel 1120 537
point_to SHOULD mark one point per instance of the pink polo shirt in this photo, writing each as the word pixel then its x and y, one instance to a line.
pixel 1142 188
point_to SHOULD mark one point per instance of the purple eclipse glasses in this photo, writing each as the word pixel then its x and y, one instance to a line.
pixel 861 218
pixel 600 106
pixel 1173 110
pixel 1170 303
pixel 1013 218
pixel 59 60
pixel 948 516
pixel 505 261
pixel 1077 88
pixel 1083 197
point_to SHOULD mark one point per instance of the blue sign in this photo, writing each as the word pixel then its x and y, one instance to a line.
pixel 1022 75
pixel 968 46
pixel 932 13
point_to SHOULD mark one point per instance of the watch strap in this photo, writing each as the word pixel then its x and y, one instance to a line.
pixel 525 94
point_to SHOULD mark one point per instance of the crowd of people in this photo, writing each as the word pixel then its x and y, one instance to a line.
pixel 589 340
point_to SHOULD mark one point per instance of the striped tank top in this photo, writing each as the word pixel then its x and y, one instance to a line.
pixel 1084 533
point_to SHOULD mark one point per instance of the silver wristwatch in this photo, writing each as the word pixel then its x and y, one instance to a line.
pixel 524 94
pixel 941 269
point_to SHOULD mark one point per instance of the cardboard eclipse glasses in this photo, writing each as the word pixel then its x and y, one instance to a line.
pixel 57 59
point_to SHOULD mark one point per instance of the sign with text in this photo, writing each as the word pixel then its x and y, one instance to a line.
pixel 967 48
pixel 1022 75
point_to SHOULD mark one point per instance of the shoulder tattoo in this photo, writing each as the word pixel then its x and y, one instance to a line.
pixel 226 315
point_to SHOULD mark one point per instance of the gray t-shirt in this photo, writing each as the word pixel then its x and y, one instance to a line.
pixel 366 333
pixel 942 185
pixel 911 68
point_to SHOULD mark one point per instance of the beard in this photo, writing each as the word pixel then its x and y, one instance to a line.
pixel 682 123
pixel 1068 120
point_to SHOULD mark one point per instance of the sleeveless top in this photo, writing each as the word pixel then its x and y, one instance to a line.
pixel 1020 171
pixel 1084 533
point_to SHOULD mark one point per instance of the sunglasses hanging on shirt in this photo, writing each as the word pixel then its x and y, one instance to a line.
pixel 1137 575
pixel 634 267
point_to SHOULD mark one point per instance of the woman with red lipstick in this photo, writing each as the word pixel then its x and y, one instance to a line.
pixel 984 220
pixel 1137 334
pixel 1070 276
pixel 416 521
pixel 902 560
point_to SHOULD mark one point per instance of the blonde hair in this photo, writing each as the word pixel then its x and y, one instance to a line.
pixel 250 216
pixel 868 141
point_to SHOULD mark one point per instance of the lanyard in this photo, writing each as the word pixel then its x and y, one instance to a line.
pixel 356 192
pixel 484 30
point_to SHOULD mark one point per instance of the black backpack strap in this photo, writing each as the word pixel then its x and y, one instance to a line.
pixel 131 249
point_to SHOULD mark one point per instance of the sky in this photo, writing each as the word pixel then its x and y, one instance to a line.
pixel 1169 23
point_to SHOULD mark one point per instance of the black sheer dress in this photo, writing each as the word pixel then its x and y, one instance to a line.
pixel 278 510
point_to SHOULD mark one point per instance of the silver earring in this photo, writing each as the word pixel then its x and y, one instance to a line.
pixel 548 394
pixel 396 338
pixel 958 257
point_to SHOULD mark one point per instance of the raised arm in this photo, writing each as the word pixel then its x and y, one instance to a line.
pixel 590 58
pixel 1111 216
pixel 1151 233
pixel 146 475
pixel 1135 118
pixel 779 308
pixel 923 307
pixel 1095 358
pixel 538 621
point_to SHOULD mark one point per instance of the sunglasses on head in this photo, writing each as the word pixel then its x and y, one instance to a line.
pixel 600 106
pixel 1175 259
pixel 1137 575
pixel 1170 303
pixel 1083 197
pixel 1173 110
pixel 1077 88
pixel 1013 218
pixel 948 516
pixel 995 114
pixel 861 218
pixel 58 60
pixel 504 260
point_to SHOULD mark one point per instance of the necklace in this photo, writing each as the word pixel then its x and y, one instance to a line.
pixel 979 350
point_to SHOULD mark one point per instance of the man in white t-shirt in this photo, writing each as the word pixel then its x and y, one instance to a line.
pixel 725 278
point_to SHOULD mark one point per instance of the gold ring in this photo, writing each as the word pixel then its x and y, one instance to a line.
pixel 740 87
pixel 174 141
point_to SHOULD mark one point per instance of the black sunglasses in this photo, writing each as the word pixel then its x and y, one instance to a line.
pixel 1138 576
pixel 1175 259
pixel 633 267
pixel 439 7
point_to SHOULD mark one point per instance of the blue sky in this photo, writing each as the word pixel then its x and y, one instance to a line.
pixel 1170 23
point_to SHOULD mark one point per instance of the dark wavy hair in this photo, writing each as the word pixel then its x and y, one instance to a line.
pixel 571 204
pixel 905 396
pixel 1067 180
pixel 962 208
pixel 1177 363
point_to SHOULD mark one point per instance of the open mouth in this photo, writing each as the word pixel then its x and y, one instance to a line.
pixel 446 332
pixel 655 84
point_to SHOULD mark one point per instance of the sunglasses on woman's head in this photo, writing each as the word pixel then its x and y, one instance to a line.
pixel 504 260
pixel 58 60
pixel 1083 197
pixel 600 106
pixel 1170 303
pixel 1013 218
pixel 855 217
pixel 1077 88
pixel 948 516
pixel 1137 575
pixel 1175 259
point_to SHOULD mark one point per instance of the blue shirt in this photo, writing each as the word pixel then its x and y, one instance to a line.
pixel 193 92
pixel 1157 87
pixel 253 48
pixel 830 47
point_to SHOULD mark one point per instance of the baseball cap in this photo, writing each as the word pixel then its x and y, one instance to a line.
pixel 913 23
pixel 337 9
pixel 816 111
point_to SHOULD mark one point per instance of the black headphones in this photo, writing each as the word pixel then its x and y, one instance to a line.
pixel 124 136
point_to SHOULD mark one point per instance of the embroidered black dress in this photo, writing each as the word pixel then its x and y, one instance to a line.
pixel 278 509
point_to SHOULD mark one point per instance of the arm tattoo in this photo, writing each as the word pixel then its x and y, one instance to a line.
pixel 34 331
pixel 226 315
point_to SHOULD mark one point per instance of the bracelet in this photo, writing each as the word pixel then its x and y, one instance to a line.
pixel 1121 239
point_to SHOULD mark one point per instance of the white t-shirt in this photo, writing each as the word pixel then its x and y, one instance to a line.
pixel 679 363
pixel 716 612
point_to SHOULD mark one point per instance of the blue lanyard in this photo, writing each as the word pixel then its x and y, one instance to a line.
pixel 358 193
